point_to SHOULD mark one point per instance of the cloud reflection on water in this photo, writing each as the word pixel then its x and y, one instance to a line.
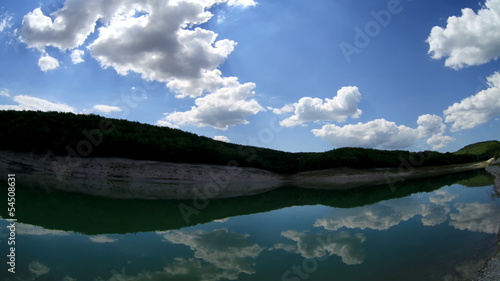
pixel 316 245
pixel 476 217
pixel 435 210
pixel 229 251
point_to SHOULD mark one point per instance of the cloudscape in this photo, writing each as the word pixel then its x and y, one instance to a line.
pixel 289 75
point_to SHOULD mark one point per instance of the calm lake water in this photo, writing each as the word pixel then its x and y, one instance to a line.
pixel 437 229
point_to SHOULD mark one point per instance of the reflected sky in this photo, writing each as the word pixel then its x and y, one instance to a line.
pixel 343 244
pixel 231 252
pixel 432 209
pixel 439 235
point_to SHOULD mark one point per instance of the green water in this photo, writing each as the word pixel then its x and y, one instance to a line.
pixel 437 229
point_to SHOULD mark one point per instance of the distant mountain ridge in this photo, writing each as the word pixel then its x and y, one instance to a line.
pixel 74 135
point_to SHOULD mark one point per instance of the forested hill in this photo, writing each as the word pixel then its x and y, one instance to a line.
pixel 482 150
pixel 95 136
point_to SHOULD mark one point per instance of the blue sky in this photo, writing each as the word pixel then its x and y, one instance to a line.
pixel 291 75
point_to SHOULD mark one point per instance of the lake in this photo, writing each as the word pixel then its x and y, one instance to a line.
pixel 435 229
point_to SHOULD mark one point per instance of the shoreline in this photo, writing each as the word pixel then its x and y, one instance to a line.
pixel 120 178
pixel 143 179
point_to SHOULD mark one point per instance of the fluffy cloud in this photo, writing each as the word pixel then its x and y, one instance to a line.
pixel 76 56
pixel 429 125
pixel 159 40
pixel 477 109
pixel 165 50
pixel 152 38
pixel 378 133
pixel 439 141
pixel 106 108
pixel 384 134
pixel 339 108
pixel 433 128
pixel 208 82
pixel 222 138
pixel 225 107
pixel 471 39
pixel 316 245
pixel 68 27
pixel 47 63
pixel 34 103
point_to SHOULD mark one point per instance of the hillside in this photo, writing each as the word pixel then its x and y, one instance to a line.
pixel 67 134
pixel 481 150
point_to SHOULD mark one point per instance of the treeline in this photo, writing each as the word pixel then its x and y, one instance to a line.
pixel 95 136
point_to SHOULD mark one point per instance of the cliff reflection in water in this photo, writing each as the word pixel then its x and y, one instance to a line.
pixel 419 230
pixel 95 215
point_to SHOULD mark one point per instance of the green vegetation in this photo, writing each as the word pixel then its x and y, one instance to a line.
pixel 73 135
pixel 482 150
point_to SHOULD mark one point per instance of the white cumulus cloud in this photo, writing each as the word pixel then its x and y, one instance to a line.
pixel 470 39
pixel 208 82
pixel 161 54
pixel 76 56
pixel 228 106
pixel 378 133
pixel 160 40
pixel 433 128
pixel 477 109
pixel 338 108
pixel 47 63
pixel 384 134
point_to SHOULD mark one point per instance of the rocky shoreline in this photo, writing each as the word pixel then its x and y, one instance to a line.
pixel 126 178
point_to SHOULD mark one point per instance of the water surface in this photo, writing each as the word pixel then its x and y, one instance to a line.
pixel 436 229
